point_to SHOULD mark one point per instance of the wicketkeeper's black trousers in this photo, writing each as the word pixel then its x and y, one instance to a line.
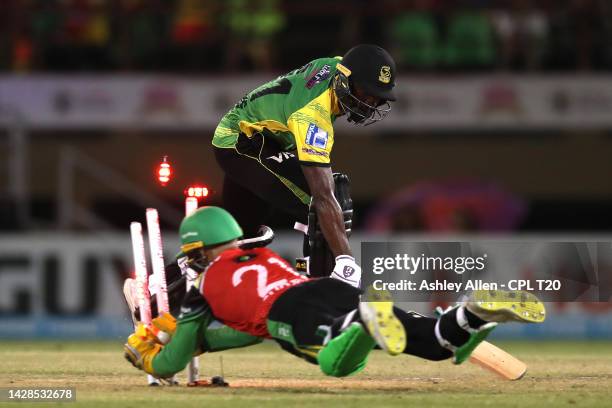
pixel 326 301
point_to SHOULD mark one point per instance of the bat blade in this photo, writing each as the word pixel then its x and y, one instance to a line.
pixel 494 359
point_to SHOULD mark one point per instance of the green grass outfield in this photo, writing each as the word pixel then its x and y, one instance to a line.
pixel 561 374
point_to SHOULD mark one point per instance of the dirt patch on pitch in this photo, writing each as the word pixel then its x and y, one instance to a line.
pixel 334 384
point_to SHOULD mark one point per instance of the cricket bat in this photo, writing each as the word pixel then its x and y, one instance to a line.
pixel 494 359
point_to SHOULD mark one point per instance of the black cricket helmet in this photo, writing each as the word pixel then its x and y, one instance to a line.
pixel 370 69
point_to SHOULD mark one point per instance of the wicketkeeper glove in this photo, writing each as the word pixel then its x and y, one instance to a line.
pixel 141 348
pixel 347 270
pixel 166 326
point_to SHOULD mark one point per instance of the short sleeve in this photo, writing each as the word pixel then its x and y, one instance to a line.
pixel 313 131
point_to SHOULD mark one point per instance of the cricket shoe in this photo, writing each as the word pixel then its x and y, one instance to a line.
pixel 376 312
pixel 506 306
pixel 129 293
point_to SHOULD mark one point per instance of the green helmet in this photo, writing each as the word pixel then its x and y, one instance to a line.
pixel 206 227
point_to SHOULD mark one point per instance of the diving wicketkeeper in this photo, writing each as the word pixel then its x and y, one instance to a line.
pixel 257 295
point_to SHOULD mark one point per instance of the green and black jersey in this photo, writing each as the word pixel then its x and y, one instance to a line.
pixel 297 110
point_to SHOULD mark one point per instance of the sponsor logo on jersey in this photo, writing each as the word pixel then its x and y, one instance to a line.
pixel 318 76
pixel 316 137
pixel 284 332
pixel 314 152
pixel 385 74
pixel 281 156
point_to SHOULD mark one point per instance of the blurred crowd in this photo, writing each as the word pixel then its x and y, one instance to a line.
pixel 270 35
pixel 449 206
pixel 518 35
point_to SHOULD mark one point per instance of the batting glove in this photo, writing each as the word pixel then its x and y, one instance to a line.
pixel 347 270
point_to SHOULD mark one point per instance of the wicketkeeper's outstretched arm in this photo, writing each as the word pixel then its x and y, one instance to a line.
pixel 191 334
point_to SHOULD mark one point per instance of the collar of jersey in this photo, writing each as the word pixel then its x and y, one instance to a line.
pixel 335 106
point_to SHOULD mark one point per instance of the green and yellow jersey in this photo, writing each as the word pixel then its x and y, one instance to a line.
pixel 297 110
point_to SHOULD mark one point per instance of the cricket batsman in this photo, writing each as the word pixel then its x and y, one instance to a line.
pixel 275 147
pixel 323 320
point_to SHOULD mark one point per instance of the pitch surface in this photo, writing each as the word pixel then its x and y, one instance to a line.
pixel 561 374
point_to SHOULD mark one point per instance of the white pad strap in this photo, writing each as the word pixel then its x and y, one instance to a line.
pixel 348 319
pixel 441 340
pixel 327 330
pixel 462 320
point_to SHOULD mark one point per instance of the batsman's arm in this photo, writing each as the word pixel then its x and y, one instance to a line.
pixel 321 183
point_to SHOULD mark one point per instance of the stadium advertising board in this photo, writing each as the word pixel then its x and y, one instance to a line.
pixel 69 285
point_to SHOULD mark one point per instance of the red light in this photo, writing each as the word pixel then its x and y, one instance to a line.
pixel 164 172
pixel 197 192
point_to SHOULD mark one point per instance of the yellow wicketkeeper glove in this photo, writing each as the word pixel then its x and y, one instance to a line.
pixel 165 323
pixel 141 348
